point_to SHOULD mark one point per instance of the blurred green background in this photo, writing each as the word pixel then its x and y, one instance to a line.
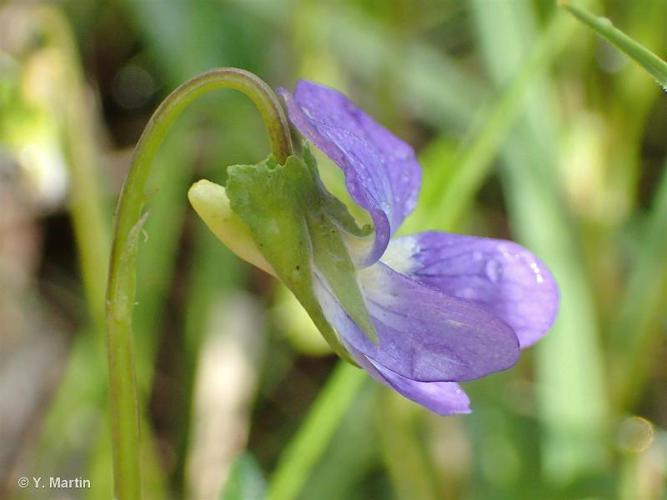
pixel 527 125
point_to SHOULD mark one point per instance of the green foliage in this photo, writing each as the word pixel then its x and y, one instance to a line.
pixel 528 126
pixel 245 481
pixel 653 65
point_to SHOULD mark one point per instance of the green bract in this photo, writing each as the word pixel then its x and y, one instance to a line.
pixel 296 226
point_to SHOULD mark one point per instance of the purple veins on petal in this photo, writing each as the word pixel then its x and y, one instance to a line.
pixel 381 171
pixel 443 398
pixel 499 275
pixel 445 307
pixel 423 334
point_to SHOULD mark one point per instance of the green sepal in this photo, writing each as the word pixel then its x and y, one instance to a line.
pixel 335 208
pixel 297 227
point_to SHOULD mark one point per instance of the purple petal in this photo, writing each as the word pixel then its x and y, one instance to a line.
pixel 499 275
pixel 381 171
pixel 443 398
pixel 423 334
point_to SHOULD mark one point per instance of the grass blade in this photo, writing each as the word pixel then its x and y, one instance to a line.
pixel 655 66
pixel 572 394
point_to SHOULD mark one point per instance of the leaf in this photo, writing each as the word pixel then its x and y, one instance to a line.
pixel 245 481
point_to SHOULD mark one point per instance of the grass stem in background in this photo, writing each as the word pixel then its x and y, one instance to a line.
pixel 572 395
pixel 636 331
pixel 655 66
pixel 315 432
pixel 403 449
pixel 643 294
pixel 86 202
pixel 441 195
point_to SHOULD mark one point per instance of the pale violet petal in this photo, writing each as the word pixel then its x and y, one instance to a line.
pixel 443 398
pixel 423 334
pixel 499 275
pixel 381 171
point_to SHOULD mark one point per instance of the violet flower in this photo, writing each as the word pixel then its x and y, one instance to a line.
pixel 420 313
pixel 446 307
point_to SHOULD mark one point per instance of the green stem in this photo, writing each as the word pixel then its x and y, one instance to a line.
pixel 641 308
pixel 315 433
pixel 573 415
pixel 445 197
pixel 122 270
pixel 655 66
pixel 403 451
pixel 86 205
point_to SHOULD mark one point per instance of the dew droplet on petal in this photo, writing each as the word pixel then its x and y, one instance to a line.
pixel 538 272
pixel 493 270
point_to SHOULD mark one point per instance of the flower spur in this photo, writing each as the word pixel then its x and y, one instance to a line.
pixel 419 313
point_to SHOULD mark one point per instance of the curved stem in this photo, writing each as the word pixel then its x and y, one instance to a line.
pixel 122 268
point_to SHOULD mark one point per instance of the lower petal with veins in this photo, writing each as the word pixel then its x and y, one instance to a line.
pixel 423 334
pixel 499 275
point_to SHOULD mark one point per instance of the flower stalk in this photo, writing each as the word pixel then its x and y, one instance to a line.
pixel 120 299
